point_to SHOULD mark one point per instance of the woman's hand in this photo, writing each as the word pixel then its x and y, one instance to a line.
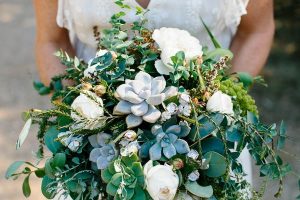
pixel 49 39
pixel 252 42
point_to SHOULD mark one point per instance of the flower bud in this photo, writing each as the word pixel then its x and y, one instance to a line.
pixel 114 55
pixel 178 163
pixel 194 176
pixel 206 95
pixel 86 86
pixel 199 60
pixel 193 154
pixel 100 90
pixel 130 135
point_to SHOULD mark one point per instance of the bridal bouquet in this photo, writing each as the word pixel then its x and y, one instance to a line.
pixel 154 115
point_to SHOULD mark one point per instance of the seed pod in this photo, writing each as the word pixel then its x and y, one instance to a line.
pixel 100 90
pixel 178 163
pixel 86 86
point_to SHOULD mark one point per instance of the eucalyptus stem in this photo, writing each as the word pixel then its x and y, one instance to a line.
pixel 188 119
pixel 272 154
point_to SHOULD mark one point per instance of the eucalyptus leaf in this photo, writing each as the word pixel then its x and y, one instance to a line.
pixel 26 187
pixel 49 171
pixel 246 79
pixel 59 160
pixel 282 136
pixel 213 144
pixel 13 168
pixel 50 140
pixel 46 187
pixel 208 124
pixel 198 190
pixel 251 118
pixel 217 164
pixel 233 134
pixel 24 133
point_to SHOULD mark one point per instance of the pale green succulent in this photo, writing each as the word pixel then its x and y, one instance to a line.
pixel 139 97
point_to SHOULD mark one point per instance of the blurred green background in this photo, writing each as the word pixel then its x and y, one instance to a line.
pixel 280 100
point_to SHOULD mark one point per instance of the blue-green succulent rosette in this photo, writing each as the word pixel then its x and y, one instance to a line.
pixel 167 143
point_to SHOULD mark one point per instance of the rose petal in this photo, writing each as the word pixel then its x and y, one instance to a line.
pixel 162 68
pixel 139 109
pixel 152 115
pixel 133 121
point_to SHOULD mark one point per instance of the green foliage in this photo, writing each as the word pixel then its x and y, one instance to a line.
pixel 125 179
pixel 198 190
pixel 48 186
pixel 217 164
pixel 51 140
pixel 242 99
pixel 218 139
pixel 41 88
pixel 282 136
pixel 26 187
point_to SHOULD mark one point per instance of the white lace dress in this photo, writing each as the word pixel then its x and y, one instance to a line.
pixel 222 17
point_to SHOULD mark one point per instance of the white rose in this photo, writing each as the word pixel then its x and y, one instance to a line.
pixel 171 41
pixel 161 181
pixel 87 107
pixel 220 102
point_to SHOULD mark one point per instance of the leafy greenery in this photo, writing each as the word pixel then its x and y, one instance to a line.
pixel 216 138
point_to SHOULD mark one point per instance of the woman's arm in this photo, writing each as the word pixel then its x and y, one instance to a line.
pixel 49 39
pixel 252 42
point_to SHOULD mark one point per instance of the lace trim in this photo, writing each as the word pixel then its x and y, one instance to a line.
pixel 63 18
pixel 235 11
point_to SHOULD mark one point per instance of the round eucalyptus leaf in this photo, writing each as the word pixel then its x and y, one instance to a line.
pixel 217 164
pixel 198 190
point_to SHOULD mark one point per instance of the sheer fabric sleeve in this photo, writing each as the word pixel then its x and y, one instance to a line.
pixel 63 18
pixel 235 11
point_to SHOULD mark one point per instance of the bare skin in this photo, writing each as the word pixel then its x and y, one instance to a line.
pixel 251 44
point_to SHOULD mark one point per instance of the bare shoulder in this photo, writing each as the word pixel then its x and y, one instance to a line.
pixel 47 28
pixel 259 14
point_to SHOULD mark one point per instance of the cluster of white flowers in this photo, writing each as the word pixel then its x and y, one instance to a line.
pixel 184 107
pixel 129 143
